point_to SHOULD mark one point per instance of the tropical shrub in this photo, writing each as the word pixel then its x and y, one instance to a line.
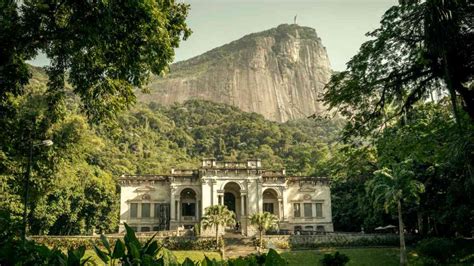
pixel 188 244
pixel 14 251
pixel 216 216
pixel 342 240
pixel 263 222
pixel 272 258
pixel 17 252
pixel 336 259
pixel 282 244
pixel 132 252
pixel 440 250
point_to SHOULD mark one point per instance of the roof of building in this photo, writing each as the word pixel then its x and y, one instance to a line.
pixel 221 168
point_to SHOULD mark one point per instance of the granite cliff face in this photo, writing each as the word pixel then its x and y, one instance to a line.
pixel 278 73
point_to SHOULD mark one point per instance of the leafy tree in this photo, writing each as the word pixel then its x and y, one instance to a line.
pixel 338 259
pixel 105 48
pixel 216 216
pixel 394 187
pixel 349 168
pixel 263 222
pixel 441 152
pixel 421 48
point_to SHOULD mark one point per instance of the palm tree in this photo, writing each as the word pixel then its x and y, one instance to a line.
pixel 215 216
pixel 394 187
pixel 263 222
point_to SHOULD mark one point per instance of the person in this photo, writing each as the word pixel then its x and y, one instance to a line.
pixel 237 225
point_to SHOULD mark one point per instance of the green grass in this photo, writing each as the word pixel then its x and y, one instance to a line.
pixel 357 256
pixel 195 255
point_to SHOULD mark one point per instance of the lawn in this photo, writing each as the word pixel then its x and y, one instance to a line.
pixel 357 256
pixel 195 255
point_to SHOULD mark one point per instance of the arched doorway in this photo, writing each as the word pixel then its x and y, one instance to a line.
pixel 188 205
pixel 270 202
pixel 233 200
pixel 229 201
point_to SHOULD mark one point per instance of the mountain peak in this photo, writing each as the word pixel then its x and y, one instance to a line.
pixel 277 73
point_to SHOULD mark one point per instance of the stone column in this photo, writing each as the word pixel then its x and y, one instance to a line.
pixel 152 210
pixel 259 196
pixel 242 206
pixel 280 209
pixel 206 195
pixel 286 205
pixel 172 206
pixel 211 182
pixel 179 210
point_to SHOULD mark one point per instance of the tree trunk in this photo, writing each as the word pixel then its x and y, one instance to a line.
pixel 217 237
pixel 261 240
pixel 403 250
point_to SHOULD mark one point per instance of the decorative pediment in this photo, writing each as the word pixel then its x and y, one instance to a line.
pixel 307 187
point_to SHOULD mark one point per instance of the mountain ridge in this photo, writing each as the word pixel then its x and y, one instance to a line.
pixel 278 73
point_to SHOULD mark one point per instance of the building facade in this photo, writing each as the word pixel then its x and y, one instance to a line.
pixel 166 202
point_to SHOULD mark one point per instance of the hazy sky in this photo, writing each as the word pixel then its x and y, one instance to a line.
pixel 341 24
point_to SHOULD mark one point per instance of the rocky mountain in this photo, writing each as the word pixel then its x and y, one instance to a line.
pixel 278 73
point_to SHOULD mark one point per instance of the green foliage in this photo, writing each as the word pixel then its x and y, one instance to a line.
pixel 217 216
pixel 343 240
pixel 439 249
pixel 151 254
pixel 441 153
pixel 336 259
pixel 421 49
pixel 349 169
pixel 73 182
pixel 274 259
pixel 189 244
pixel 132 252
pixel 14 251
pixel 263 222
pixel 390 186
pixel 103 62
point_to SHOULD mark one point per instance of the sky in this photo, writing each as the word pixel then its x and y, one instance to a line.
pixel 341 24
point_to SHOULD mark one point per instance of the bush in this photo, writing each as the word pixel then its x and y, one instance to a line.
pixel 178 243
pixel 439 249
pixel 282 244
pixel 338 259
pixel 346 240
pixel 272 258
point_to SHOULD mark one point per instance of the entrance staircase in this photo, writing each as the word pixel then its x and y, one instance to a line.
pixel 237 245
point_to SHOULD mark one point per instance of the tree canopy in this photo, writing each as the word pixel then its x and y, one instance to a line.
pixel 104 48
pixel 421 51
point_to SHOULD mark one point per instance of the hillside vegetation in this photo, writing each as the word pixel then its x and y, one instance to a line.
pixel 73 186
pixel 152 139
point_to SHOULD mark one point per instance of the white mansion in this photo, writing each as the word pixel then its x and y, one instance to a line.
pixel 166 202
